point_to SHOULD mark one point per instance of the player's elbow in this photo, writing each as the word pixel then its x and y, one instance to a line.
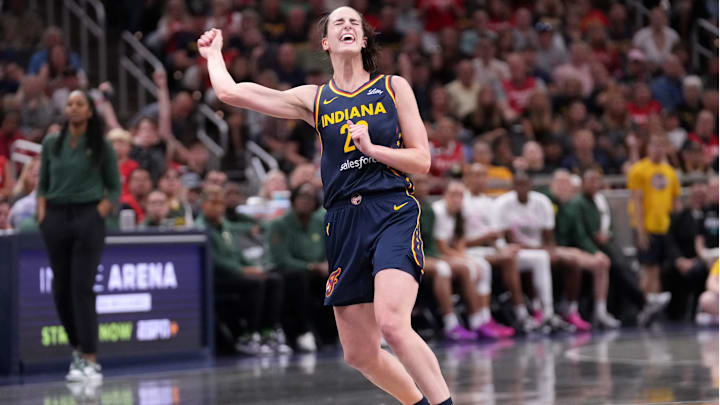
pixel 424 164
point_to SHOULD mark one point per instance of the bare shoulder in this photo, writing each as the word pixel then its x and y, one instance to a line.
pixel 399 84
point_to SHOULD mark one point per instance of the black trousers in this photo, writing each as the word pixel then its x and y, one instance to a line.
pixel 74 235
pixel 685 288
pixel 623 286
pixel 259 300
pixel 303 309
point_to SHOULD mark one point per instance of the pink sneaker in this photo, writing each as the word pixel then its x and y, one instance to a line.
pixel 460 334
pixel 504 330
pixel 575 319
pixel 490 330
pixel 538 316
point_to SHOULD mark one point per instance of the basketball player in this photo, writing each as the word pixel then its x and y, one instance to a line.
pixel 371 134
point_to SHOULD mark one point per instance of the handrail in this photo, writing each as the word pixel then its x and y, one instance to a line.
pixel 138 47
pixel 697 49
pixel 261 153
pixel 87 24
pixel 220 123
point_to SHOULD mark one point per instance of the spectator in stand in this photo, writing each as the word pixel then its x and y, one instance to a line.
pixel 9 131
pixel 619 30
pixel 693 159
pixel 538 118
pixel 296 251
pixel 60 75
pixel 585 155
pixel 578 67
pixel 36 109
pixel 24 204
pixel 524 36
pixel 450 235
pixel 642 105
pixel 306 173
pixel 470 38
pixel 27 182
pixel 594 222
pixel 180 209
pixel 174 18
pixel 499 177
pixel 667 88
pixel 297 27
pixel 216 177
pixel 139 187
pixel 551 51
pixel 286 66
pixel 676 133
pixel 685 270
pixel 636 69
pixel 532 160
pixel 655 193
pixel 707 312
pixel 710 220
pixel 487 117
pixel 603 50
pixel 52 36
pixel 446 150
pixel 500 16
pixel 489 70
pixel 520 86
pixel 463 92
pixel 691 104
pixel 157 212
pixel 657 40
pixel 122 142
pixel 20 26
pixel 705 133
pixel 148 149
pixel 439 14
pixel 5 224
pixel 257 294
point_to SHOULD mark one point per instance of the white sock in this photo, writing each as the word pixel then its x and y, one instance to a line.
pixel 451 321
pixel 521 311
pixel 477 320
pixel 536 305
pixel 600 308
pixel 651 297
pixel 572 307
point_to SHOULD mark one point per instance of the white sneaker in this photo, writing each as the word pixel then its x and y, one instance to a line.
pixel 92 371
pixel 306 342
pixel 252 345
pixel 607 321
pixel 653 306
pixel 276 341
pixel 75 372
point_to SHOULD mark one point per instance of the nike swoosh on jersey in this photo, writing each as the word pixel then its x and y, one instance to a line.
pixel 397 207
pixel 329 101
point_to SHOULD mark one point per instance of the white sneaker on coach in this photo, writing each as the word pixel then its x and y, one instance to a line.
pixel 75 372
pixel 92 371
pixel 607 321
pixel 306 342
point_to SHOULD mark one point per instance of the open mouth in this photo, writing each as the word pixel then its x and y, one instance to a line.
pixel 347 38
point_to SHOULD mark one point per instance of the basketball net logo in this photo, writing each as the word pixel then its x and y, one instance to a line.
pixel 332 280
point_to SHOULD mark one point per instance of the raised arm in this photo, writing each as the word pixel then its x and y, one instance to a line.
pixel 295 103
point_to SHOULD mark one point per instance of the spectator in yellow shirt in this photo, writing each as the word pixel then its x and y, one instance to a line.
pixel 655 193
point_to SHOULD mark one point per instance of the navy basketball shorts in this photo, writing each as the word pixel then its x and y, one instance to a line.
pixel 366 234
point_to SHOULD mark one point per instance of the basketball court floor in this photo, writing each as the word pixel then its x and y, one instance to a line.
pixel 664 366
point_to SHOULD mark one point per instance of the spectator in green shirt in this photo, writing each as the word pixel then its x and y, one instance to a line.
pixel 295 246
pixel 592 237
pixel 78 186
pixel 258 294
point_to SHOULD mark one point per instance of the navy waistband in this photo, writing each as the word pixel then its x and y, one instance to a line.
pixel 357 199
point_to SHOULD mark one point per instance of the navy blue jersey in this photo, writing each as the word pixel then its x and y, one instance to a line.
pixel 344 169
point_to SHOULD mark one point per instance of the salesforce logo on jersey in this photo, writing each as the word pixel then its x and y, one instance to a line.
pixel 357 163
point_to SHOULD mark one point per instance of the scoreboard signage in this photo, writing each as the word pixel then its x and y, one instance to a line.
pixel 150 301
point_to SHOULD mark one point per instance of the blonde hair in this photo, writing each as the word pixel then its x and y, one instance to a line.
pixel 119 134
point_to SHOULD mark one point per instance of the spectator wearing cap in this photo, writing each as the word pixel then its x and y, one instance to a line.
pixel 657 40
pixel 121 141
pixel 551 51
pixel 636 68
pixel 688 110
pixel 296 251
pixel 667 88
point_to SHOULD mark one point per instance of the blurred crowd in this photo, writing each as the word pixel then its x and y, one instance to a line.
pixel 510 91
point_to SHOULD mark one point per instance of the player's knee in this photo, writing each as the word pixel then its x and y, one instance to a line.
pixel 708 302
pixel 392 327
pixel 361 357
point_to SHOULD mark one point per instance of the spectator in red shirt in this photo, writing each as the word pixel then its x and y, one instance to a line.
pixel 439 14
pixel 590 16
pixel 6 179
pixel 642 105
pixel 706 134
pixel 122 143
pixel 499 13
pixel 9 132
pixel 521 85
pixel 446 150
pixel 139 187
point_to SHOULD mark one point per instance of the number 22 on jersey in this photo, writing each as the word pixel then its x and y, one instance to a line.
pixel 348 147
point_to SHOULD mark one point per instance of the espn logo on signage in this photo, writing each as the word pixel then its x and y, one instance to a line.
pixel 156 329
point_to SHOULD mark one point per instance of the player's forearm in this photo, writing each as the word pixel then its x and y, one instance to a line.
pixel 407 160
pixel 222 83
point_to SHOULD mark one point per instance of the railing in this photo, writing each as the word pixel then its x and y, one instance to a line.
pixel 138 63
pixel 698 50
pixel 87 26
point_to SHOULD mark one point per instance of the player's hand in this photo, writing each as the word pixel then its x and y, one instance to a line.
pixel 211 41
pixel 361 138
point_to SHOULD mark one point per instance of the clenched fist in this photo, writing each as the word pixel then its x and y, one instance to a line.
pixel 210 41
pixel 360 137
